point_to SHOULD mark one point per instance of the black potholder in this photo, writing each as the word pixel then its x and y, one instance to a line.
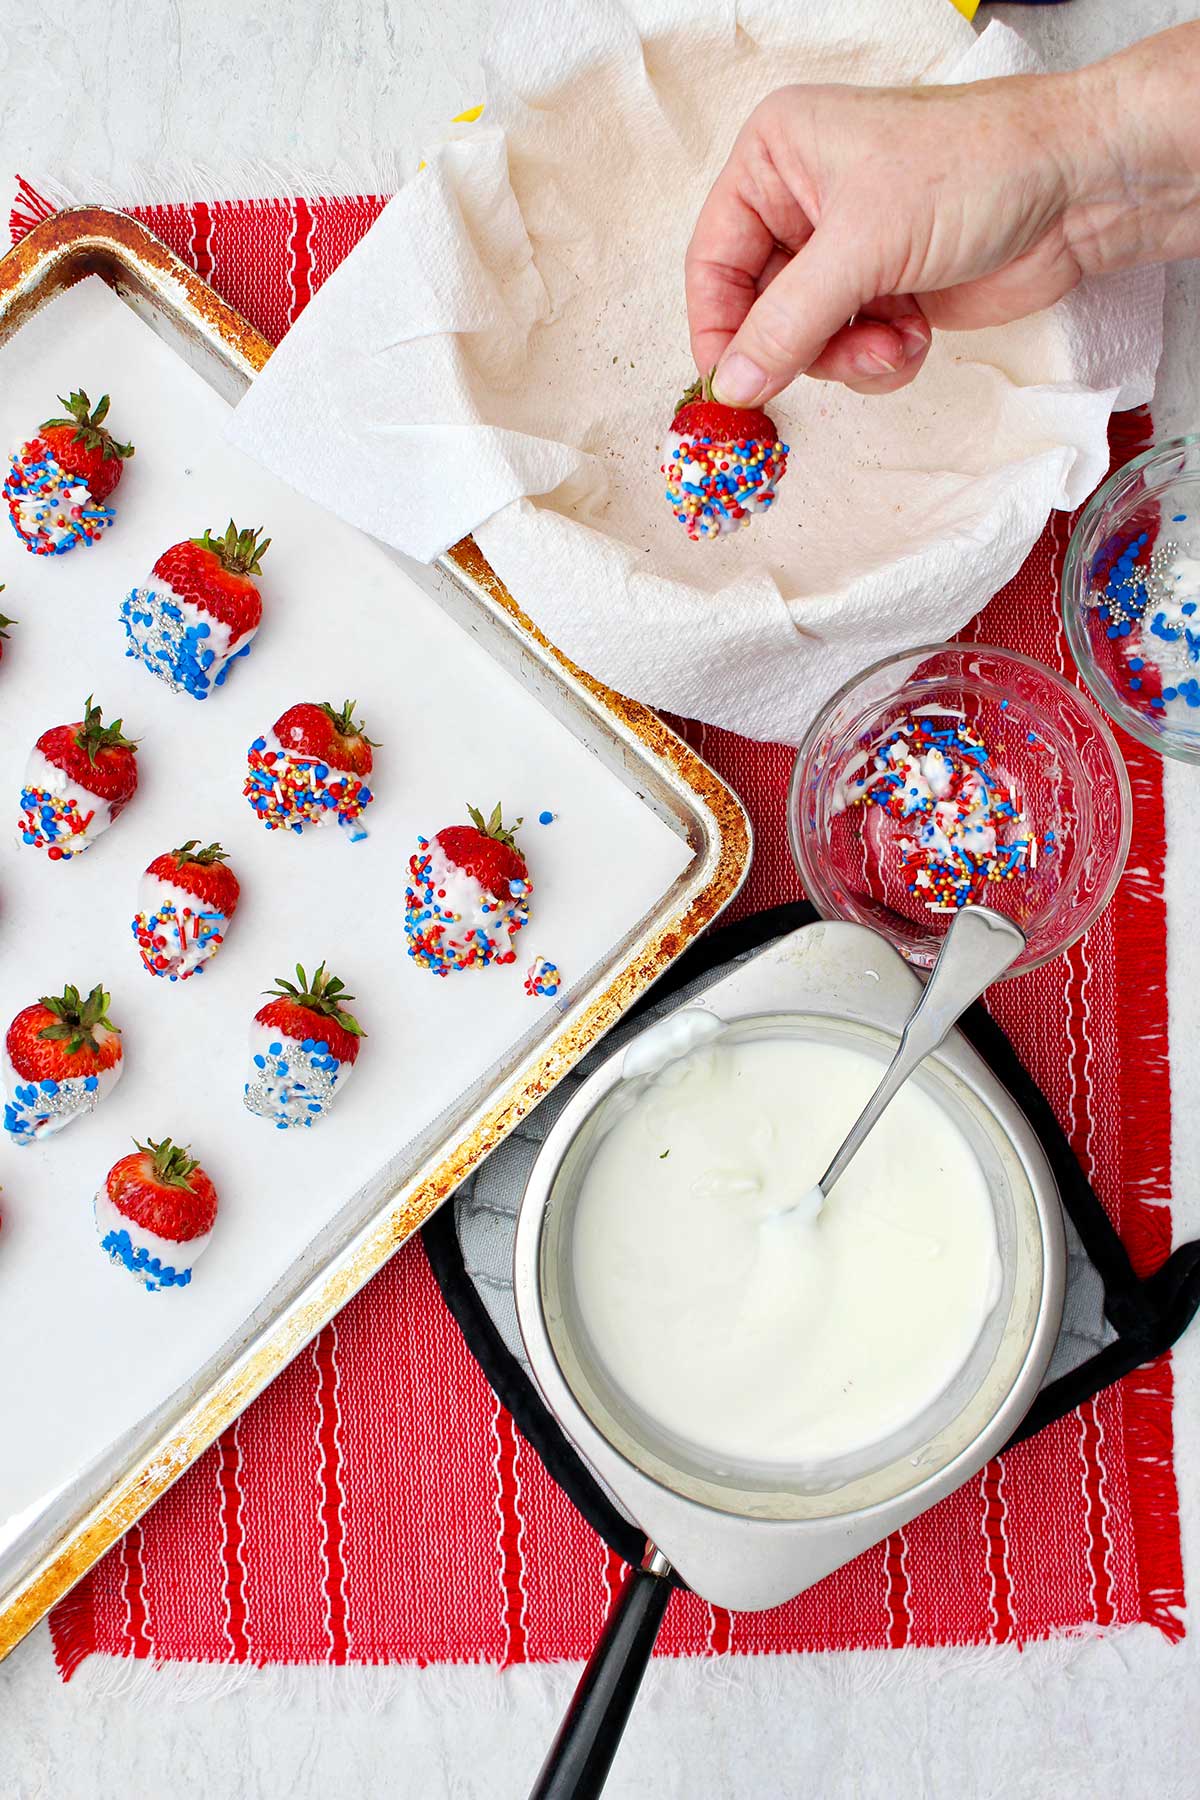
pixel 1142 1317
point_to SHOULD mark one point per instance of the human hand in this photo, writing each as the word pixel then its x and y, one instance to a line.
pixel 848 221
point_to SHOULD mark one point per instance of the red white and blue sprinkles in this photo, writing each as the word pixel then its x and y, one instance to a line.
pixel 36 1108
pixel 177 940
pixel 170 637
pixel 452 922
pixel 965 824
pixel 149 1269
pixel 55 823
pixel 1152 607
pixel 542 978
pixel 289 790
pixel 715 487
pixel 293 1081
pixel 51 511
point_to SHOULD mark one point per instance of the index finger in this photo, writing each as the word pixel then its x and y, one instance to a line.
pixel 732 243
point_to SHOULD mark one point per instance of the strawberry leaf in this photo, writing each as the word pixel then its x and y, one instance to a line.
pixel 325 995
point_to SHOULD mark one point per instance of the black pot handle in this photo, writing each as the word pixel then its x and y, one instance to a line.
pixel 581 1755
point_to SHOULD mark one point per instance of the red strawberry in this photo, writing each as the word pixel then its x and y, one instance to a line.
pixel 161 1189
pixel 314 728
pixel 314 1009
pixel 4 624
pixel 81 445
pixel 216 575
pixel 698 415
pixel 63 1035
pixel 723 465
pixel 486 850
pixel 204 873
pixel 95 755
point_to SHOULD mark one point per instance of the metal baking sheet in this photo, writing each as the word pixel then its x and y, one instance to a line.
pixel 556 729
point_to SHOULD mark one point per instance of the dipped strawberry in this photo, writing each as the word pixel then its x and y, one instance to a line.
pixel 59 481
pixel 468 895
pixel 199 610
pixel 4 625
pixel 186 899
pixel 62 1055
pixel 78 780
pixel 303 1048
pixel 311 768
pixel 155 1211
pixel 724 464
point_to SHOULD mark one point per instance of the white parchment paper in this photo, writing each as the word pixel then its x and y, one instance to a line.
pixel 87 1351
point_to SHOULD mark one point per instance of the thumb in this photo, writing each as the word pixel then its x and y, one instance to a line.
pixel 790 323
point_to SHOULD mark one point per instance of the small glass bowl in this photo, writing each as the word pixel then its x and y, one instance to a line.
pixel 1126 582
pixel 1045 740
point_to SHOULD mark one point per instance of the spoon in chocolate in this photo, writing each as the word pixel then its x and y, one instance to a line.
pixel 978 948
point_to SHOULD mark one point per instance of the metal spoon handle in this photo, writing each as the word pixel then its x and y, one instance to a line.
pixel 979 946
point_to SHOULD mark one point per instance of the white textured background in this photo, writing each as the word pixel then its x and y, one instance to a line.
pixel 349 85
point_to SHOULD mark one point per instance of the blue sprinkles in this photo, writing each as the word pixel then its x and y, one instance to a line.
pixel 150 1270
pixel 158 637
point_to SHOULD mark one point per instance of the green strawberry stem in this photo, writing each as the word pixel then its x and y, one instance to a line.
pixel 192 853
pixel 240 552
pixel 76 1021
pixel 89 425
pixel 94 735
pixel 701 389
pixel 173 1167
pixel 344 722
pixel 494 827
pixel 4 622
pixel 324 994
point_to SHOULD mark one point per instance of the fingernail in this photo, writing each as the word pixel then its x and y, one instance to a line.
pixel 738 381
pixel 914 332
pixel 869 362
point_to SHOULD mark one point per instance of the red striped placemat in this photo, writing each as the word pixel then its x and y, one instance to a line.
pixel 377 1505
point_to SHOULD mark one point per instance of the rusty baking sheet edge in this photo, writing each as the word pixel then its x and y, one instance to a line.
pixel 56 253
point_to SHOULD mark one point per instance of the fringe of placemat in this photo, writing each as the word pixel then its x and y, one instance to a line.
pixel 238 184
pixel 1143 1035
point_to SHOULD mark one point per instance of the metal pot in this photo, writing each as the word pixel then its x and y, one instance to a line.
pixel 749 1536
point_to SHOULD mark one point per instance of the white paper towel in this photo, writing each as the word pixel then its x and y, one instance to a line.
pixel 503 351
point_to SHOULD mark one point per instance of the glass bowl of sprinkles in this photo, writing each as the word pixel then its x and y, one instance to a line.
pixel 956 775
pixel 1131 597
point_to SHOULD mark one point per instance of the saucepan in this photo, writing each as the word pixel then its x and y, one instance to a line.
pixel 751 1535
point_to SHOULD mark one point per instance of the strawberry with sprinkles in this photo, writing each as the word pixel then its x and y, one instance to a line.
pixel 311 768
pixel 468 895
pixel 304 1045
pixel 199 611
pixel 78 780
pixel 58 481
pixel 62 1056
pixel 186 900
pixel 155 1212
pixel 725 464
